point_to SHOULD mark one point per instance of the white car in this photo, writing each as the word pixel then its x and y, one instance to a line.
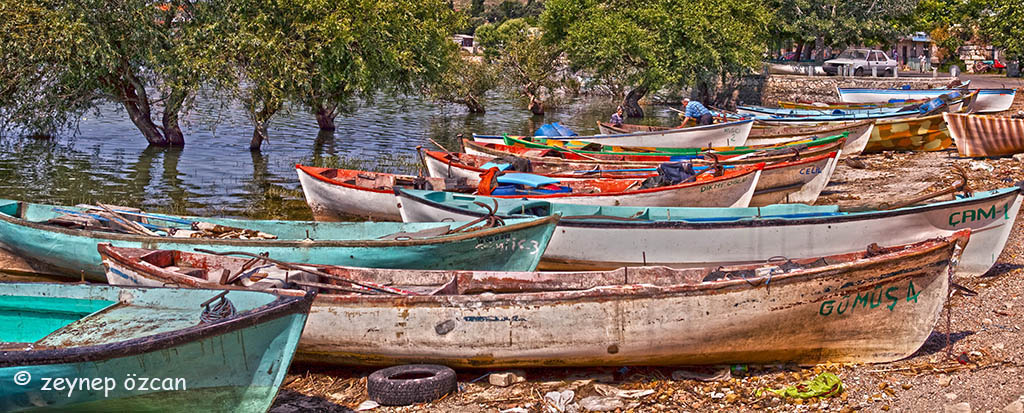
pixel 861 61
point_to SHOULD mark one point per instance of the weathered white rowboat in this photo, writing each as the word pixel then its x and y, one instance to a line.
pixel 873 306
pixel 610 237
pixel 800 180
pixel 719 134
pixel 988 100
pixel 335 193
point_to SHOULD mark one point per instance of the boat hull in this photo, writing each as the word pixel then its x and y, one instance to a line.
pixel 918 134
pixel 797 181
pixel 714 238
pixel 723 134
pixel 74 251
pixel 857 140
pixel 986 135
pixel 874 314
pixel 863 308
pixel 988 100
pixel 237 370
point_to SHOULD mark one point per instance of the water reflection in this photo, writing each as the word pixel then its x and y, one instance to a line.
pixel 215 174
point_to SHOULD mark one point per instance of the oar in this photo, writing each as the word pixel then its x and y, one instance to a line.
pixel 382 289
pixel 131 224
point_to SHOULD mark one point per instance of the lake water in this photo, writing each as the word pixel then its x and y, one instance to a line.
pixel 215 174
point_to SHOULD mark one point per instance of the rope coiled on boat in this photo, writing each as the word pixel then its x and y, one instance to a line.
pixel 219 310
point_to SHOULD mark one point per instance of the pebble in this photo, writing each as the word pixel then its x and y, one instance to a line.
pixel 958 408
pixel 951 396
pixel 986 321
pixel 999 346
pixel 505 379
pixel 944 380
pixel 1015 407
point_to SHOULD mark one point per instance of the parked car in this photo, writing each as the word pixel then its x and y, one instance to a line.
pixel 861 60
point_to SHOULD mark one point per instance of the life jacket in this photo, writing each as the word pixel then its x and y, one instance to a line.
pixel 488 181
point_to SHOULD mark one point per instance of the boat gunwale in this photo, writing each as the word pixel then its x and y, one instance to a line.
pixel 282 306
pixel 740 172
pixel 739 222
pixel 638 290
pixel 436 155
pixel 461 236
pixel 714 126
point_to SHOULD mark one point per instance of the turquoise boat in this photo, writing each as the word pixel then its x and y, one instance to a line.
pixel 87 347
pixel 25 231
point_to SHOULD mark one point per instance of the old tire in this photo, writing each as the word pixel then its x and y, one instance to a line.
pixel 858 71
pixel 410 384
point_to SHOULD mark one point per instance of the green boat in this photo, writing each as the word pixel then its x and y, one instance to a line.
pixel 30 230
pixel 87 347
pixel 594 148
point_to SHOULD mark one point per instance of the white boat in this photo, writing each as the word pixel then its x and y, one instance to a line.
pixel 612 237
pixel 988 100
pixel 870 306
pixel 334 194
pixel 799 180
pixel 719 134
pixel 856 141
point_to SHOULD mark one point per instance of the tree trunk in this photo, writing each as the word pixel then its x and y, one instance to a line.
pixel 631 104
pixel 799 51
pixel 535 106
pixel 325 115
pixel 140 116
pixel 819 46
pixel 259 134
pixel 474 104
pixel 172 131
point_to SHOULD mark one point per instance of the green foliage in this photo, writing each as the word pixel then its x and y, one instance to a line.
pixel 652 44
pixel 527 64
pixel 1003 24
pixel 61 58
pixel 950 23
pixel 839 22
pixel 466 83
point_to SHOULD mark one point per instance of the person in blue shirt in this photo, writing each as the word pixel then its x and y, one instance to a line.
pixel 695 110
pixel 617 117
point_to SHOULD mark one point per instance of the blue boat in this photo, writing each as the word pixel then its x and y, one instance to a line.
pixel 87 347
pixel 27 230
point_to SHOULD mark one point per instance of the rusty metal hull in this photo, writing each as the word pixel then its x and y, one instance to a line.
pixel 849 308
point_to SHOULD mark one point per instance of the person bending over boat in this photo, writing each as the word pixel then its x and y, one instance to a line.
pixel 617 117
pixel 695 110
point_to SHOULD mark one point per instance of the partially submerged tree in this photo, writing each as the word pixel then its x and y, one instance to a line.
pixel 651 44
pixel 62 58
pixel 527 64
pixel 465 84
pixel 323 54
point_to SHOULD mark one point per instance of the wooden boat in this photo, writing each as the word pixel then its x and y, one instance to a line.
pixel 332 194
pixel 977 135
pixel 858 133
pixel 917 134
pixel 789 112
pixel 876 305
pixel 719 134
pixel 30 230
pixel 87 347
pixel 721 153
pixel 988 100
pixel 895 103
pixel 591 237
pixel 800 180
pixel 553 153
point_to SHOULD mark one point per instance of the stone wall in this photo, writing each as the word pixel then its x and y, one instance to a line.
pixel 823 88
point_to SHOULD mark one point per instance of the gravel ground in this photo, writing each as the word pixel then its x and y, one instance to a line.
pixel 981 367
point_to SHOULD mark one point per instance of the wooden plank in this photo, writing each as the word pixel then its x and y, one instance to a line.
pixel 13 263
